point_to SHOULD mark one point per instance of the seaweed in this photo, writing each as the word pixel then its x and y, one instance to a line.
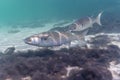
pixel 51 65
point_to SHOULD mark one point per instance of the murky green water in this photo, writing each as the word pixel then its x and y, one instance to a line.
pixel 22 18
pixel 22 10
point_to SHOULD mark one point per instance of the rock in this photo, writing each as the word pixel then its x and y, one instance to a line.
pixel 9 50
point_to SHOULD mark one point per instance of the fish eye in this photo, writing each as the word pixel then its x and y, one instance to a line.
pixel 82 25
pixel 29 40
pixel 74 27
pixel 44 38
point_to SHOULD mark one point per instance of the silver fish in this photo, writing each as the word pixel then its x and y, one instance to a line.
pixel 84 23
pixel 54 38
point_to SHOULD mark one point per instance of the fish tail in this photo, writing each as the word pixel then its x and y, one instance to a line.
pixel 98 18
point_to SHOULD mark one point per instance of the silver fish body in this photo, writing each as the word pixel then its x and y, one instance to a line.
pixel 84 23
pixel 50 39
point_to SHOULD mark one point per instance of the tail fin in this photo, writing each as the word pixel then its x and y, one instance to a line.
pixel 97 20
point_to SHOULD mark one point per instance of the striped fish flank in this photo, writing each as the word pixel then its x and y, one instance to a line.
pixel 50 39
pixel 84 23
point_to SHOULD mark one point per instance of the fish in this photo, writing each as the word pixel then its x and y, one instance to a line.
pixel 52 38
pixel 84 23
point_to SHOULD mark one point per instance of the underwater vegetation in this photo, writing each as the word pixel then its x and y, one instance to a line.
pixel 64 64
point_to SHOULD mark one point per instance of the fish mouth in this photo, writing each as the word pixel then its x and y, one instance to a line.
pixel 27 40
